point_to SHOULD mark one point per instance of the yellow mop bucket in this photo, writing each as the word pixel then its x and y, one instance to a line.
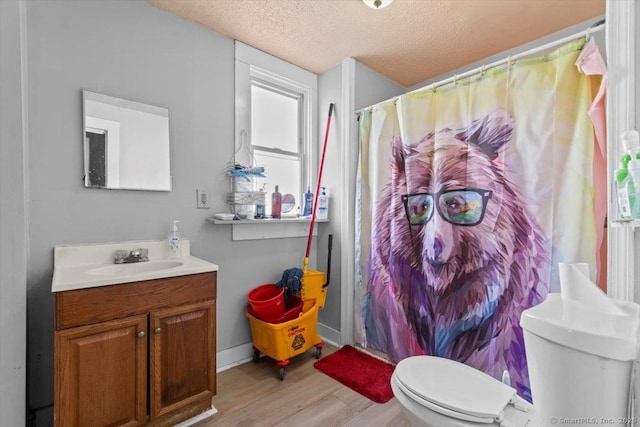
pixel 282 341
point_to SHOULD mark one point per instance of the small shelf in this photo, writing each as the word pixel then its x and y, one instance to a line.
pixel 265 221
pixel 269 228
pixel 625 223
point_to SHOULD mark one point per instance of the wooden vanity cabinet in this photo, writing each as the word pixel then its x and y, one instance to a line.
pixel 181 348
pixel 97 360
pixel 140 353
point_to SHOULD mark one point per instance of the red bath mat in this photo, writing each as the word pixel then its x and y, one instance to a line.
pixel 360 372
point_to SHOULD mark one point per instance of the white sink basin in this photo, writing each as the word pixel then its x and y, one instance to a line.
pixel 88 266
pixel 136 268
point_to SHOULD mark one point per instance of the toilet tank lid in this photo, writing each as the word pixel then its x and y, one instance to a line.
pixel 581 327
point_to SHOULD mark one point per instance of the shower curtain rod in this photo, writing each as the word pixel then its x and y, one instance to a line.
pixel 598 26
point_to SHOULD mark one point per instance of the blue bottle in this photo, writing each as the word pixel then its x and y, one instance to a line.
pixel 308 202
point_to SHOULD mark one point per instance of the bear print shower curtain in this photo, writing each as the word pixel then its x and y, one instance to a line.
pixel 468 196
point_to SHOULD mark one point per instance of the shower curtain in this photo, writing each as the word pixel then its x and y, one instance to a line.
pixel 468 196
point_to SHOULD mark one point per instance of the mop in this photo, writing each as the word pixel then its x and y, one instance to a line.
pixel 305 264
pixel 292 278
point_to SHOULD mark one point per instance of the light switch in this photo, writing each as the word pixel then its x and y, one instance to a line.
pixel 202 195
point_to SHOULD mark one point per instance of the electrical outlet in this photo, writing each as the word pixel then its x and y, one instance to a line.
pixel 202 198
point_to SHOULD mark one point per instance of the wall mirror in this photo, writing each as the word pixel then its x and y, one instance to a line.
pixel 126 144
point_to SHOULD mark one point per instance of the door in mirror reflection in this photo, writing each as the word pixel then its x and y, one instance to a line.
pixel 126 144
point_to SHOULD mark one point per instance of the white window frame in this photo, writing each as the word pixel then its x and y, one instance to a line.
pixel 254 65
pixel 623 257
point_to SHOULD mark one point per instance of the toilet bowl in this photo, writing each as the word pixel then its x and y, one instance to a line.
pixel 582 362
pixel 438 392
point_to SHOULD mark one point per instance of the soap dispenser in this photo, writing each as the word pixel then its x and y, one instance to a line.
pixel 175 242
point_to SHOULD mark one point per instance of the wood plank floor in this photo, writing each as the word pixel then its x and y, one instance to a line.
pixel 253 395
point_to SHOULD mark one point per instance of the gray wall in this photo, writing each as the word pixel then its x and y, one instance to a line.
pixel 136 51
pixel 372 87
pixel 329 91
pixel 13 238
pixel 368 87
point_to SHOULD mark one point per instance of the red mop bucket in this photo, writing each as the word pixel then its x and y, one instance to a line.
pixel 267 301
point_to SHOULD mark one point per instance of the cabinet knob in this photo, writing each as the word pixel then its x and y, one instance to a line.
pixel 157 330
pixel 141 334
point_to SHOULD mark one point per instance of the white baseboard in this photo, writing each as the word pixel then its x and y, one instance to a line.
pixel 329 335
pixel 232 357
pixel 198 418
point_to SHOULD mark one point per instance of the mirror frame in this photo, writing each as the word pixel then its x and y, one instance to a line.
pixel 89 95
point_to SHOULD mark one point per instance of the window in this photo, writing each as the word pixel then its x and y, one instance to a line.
pixel 276 140
pixel 275 123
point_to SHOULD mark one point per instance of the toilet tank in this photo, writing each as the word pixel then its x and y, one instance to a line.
pixel 581 361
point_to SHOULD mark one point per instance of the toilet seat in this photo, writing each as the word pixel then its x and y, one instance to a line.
pixel 454 389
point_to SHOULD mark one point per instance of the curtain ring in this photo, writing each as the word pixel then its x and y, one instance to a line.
pixel 509 61
pixel 455 79
pixel 588 33
pixel 483 70
pixel 433 87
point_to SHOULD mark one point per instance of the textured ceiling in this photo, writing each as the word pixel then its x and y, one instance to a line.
pixel 409 41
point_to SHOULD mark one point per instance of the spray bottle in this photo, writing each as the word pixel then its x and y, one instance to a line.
pixel 175 242
pixel 631 144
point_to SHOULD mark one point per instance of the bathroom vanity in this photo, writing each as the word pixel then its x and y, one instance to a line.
pixel 134 343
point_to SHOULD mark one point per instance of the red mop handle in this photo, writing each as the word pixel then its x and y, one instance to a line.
pixel 315 198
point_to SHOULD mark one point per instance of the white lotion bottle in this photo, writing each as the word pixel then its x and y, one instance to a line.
pixel 175 242
pixel 322 211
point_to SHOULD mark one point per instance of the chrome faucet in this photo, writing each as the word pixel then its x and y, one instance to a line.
pixel 127 257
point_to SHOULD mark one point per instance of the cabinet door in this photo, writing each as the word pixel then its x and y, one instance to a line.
pixel 182 356
pixel 101 374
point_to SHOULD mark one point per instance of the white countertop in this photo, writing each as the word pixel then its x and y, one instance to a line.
pixel 89 266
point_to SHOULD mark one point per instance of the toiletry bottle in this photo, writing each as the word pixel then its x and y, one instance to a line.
pixel 628 197
pixel 259 211
pixel 323 204
pixel 631 144
pixel 276 203
pixel 308 202
pixel 622 192
pixel 175 242
pixel 633 187
pixel 260 204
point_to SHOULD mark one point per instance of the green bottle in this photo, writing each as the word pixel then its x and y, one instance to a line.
pixel 622 190
pixel 633 187
pixel 626 188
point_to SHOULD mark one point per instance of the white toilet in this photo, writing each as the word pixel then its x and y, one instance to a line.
pixel 582 358
pixel 439 392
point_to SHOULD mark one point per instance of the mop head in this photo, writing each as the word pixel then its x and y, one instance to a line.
pixel 291 281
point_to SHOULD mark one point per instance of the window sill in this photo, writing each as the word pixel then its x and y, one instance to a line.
pixel 258 229
pixel 625 223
